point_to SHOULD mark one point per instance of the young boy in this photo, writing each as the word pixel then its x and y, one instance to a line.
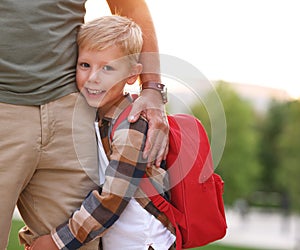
pixel 109 50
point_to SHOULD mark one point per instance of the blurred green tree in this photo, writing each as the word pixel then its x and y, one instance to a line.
pixel 288 172
pixel 239 166
pixel 271 127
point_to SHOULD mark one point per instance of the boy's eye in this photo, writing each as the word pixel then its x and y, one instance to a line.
pixel 84 65
pixel 108 68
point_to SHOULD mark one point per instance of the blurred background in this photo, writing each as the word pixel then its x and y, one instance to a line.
pixel 235 65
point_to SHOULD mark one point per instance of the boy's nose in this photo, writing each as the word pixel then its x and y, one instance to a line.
pixel 95 77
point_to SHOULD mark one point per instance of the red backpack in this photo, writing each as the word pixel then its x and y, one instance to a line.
pixel 196 208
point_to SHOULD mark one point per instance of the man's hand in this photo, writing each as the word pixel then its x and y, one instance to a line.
pixel 44 242
pixel 150 103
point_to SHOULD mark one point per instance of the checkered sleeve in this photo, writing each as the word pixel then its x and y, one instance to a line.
pixel 99 211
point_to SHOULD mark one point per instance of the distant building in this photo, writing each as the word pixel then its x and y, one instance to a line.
pixel 260 96
pixel 183 95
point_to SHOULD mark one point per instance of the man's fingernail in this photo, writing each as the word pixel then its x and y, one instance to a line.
pixel 131 118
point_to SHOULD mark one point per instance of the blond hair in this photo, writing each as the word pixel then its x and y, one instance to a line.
pixel 108 31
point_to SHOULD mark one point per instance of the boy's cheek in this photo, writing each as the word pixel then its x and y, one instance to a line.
pixel 80 83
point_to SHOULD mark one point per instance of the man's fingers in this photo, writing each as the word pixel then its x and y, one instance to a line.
pixel 156 146
pixel 163 148
pixel 166 151
pixel 136 110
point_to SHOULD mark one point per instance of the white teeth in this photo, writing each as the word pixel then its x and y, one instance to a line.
pixel 94 91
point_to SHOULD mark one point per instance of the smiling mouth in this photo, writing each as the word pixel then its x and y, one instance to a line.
pixel 94 91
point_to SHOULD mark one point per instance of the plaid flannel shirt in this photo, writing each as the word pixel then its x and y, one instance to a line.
pixel 101 209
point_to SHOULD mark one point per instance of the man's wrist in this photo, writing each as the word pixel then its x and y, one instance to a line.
pixel 158 87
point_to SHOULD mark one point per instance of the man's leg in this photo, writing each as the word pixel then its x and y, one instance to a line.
pixel 68 167
pixel 19 155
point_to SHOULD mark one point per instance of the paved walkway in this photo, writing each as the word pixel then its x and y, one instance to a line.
pixel 265 230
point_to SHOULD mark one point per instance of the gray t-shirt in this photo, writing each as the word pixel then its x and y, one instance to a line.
pixel 38 49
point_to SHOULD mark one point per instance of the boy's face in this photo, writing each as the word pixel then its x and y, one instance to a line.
pixel 102 75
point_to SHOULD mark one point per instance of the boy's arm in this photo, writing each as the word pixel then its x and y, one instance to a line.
pixel 150 101
pixel 87 223
pixel 98 212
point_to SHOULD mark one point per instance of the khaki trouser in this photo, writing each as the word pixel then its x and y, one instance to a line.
pixel 48 164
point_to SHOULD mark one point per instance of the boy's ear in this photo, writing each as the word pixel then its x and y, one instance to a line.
pixel 135 72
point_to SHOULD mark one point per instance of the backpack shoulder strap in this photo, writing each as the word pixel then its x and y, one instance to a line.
pixel 124 114
pixel 174 215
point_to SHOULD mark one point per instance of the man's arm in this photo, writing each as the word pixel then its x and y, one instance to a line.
pixel 138 11
pixel 150 102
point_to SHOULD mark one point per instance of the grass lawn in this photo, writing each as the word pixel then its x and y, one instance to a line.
pixel 16 225
pixel 13 243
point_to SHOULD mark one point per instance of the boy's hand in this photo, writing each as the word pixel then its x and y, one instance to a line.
pixel 44 242
pixel 150 103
